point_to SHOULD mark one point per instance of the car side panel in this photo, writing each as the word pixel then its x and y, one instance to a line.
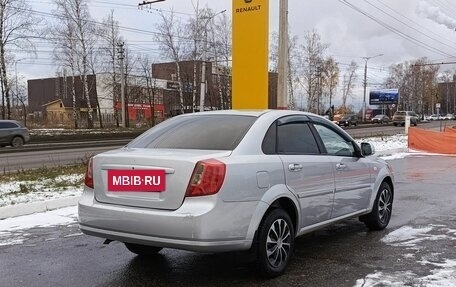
pixel 313 185
pixel 353 184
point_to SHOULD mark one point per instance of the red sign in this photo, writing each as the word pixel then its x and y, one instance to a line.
pixel 136 180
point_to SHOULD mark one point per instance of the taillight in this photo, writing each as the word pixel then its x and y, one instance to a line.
pixel 89 174
pixel 207 178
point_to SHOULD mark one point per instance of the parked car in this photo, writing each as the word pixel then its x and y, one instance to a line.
pixel 435 117
pixel 449 117
pixel 13 133
pixel 348 120
pixel 380 119
pixel 399 118
pixel 234 181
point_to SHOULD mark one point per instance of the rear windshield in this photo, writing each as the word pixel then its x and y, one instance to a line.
pixel 212 132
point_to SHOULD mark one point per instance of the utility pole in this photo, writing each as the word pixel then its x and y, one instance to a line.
pixel 203 71
pixel 203 65
pixel 282 87
pixel 365 83
pixel 121 57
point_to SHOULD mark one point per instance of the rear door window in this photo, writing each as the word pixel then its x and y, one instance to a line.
pixel 296 138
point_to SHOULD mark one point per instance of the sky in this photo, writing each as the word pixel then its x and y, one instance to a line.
pixel 400 30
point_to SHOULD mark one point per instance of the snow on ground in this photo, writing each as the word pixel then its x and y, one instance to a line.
pixel 442 270
pixel 31 191
pixel 387 143
pixel 13 230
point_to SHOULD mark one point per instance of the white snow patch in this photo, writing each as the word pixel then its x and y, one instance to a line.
pixel 61 216
pixel 382 279
pixel 404 234
pixel 444 276
pixel 408 236
pixel 386 143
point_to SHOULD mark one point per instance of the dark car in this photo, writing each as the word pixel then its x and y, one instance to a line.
pixel 348 120
pixel 380 119
pixel 13 133
pixel 399 118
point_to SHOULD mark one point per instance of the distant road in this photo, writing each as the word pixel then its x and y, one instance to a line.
pixel 56 154
pixel 44 158
pixel 367 130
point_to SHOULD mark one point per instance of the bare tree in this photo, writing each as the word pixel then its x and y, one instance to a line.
pixel 149 83
pixel 75 16
pixel 417 84
pixel 195 28
pixel 331 80
pixel 131 85
pixel 65 54
pixel 312 52
pixel 221 39
pixel 17 25
pixel 170 34
pixel 349 82
pixel 110 38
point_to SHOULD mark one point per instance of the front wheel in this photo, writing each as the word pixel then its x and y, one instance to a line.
pixel 143 250
pixel 275 243
pixel 17 142
pixel 380 215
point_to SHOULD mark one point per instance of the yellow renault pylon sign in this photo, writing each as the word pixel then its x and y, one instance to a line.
pixel 250 54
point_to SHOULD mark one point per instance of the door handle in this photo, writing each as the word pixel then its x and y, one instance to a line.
pixel 295 167
pixel 341 166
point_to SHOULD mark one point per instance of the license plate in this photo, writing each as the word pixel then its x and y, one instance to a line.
pixel 136 180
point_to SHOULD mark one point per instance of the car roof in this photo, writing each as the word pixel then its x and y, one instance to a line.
pixel 254 113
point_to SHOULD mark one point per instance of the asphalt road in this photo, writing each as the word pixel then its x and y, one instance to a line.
pixel 342 255
pixel 21 160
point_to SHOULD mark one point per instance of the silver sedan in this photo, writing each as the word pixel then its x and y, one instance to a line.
pixel 234 181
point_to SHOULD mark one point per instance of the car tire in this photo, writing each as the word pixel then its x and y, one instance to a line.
pixel 275 243
pixel 143 250
pixel 17 142
pixel 380 215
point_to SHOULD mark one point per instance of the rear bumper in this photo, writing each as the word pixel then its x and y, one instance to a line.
pixel 204 224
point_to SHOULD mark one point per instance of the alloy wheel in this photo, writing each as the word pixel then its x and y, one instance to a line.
pixel 278 243
pixel 384 205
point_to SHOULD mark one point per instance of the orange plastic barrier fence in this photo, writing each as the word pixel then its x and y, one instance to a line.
pixel 432 141
pixel 450 130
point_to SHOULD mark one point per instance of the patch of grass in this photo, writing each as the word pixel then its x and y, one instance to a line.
pixel 43 173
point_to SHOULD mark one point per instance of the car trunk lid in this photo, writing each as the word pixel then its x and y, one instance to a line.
pixel 177 164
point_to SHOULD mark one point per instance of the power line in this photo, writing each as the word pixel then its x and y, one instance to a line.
pixel 407 25
pixel 396 31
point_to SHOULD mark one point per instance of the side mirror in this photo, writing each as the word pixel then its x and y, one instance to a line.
pixel 367 149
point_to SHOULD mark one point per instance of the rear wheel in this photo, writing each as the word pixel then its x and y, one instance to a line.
pixel 143 250
pixel 17 142
pixel 380 215
pixel 275 243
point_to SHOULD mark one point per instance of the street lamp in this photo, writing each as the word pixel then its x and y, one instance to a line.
pixel 365 82
pixel 203 66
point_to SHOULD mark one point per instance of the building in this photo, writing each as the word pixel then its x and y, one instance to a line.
pixel 161 99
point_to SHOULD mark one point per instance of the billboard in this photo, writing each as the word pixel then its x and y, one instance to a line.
pixel 384 96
